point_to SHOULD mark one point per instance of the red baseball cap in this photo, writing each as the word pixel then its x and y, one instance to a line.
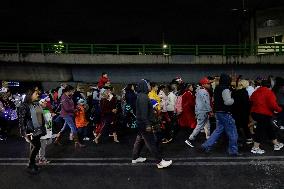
pixel 204 81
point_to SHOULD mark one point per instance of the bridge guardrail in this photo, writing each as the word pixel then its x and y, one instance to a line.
pixel 141 49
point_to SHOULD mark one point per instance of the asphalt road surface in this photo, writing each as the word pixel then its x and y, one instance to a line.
pixel 109 165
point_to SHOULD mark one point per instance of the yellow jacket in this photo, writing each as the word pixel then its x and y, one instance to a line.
pixel 154 95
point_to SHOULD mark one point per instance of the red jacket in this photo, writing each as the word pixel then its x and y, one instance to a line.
pixel 102 82
pixel 264 102
pixel 187 117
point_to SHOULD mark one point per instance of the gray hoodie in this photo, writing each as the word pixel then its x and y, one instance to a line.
pixel 144 108
pixel 202 101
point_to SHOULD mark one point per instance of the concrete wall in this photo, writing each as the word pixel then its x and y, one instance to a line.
pixel 128 73
pixel 137 59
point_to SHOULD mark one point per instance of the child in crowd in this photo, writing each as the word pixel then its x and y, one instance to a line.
pixel 47 139
pixel 81 120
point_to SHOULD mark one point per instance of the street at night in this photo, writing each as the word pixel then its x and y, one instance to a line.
pixel 170 95
pixel 109 166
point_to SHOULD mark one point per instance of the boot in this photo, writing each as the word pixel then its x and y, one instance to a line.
pixel 115 138
pixel 77 143
pixel 96 140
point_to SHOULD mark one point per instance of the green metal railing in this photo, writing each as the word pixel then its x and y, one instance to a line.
pixel 141 49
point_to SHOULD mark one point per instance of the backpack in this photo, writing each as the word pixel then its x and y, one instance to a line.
pixel 178 105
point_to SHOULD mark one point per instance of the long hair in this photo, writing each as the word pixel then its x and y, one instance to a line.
pixel 29 94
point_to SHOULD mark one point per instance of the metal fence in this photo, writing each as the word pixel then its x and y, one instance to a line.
pixel 141 49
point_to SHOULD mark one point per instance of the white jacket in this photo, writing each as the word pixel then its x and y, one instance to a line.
pixel 172 98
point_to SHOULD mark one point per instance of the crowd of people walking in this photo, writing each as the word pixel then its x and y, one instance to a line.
pixel 247 111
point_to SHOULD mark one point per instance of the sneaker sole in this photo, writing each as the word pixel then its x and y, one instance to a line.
pixel 161 167
pixel 134 162
pixel 256 152
pixel 189 144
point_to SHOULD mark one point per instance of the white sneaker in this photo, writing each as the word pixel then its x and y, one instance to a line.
pixel 281 127
pixel 139 160
pixel 164 164
pixel 189 143
pixel 86 139
pixel 257 151
pixel 278 146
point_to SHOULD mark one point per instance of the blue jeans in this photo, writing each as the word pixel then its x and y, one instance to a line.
pixel 224 122
pixel 69 120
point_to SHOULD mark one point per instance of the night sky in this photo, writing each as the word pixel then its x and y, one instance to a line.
pixel 177 22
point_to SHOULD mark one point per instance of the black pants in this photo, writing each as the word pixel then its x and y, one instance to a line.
pixel 242 122
pixel 264 127
pixel 148 139
pixel 34 150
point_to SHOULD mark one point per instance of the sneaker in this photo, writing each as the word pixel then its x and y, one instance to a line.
pixel 281 127
pixel 257 151
pixel 189 143
pixel 164 164
pixel 43 162
pixel 165 141
pixel 170 140
pixel 278 146
pixel 86 139
pixel 275 123
pixel 139 160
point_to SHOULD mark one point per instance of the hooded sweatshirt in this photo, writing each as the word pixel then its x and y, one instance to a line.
pixel 144 108
pixel 202 101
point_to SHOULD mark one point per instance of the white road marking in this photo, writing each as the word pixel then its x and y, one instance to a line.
pixel 256 163
pixel 176 159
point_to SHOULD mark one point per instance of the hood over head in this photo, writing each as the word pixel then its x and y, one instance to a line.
pixel 143 86
pixel 225 80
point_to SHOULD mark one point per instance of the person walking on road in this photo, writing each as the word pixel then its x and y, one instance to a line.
pixel 145 136
pixel 264 105
pixel 203 110
pixel 223 102
pixel 31 124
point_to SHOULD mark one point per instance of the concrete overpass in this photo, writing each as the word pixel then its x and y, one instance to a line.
pixel 130 68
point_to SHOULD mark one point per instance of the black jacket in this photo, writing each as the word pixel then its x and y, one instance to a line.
pixel 241 106
pixel 25 121
pixel 144 108
pixel 130 98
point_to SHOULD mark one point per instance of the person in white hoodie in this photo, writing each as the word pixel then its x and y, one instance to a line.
pixel 203 110
pixel 164 115
pixel 171 102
